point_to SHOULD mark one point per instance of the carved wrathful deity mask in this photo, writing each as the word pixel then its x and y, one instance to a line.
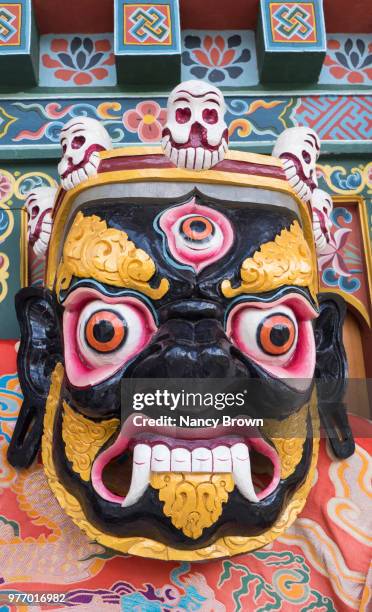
pixel 155 271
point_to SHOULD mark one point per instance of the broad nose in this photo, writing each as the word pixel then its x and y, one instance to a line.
pixel 191 310
pixel 188 349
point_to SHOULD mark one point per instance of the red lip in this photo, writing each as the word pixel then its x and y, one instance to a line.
pixel 71 167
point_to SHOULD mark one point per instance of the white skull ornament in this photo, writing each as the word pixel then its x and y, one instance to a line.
pixel 299 148
pixel 322 206
pixel 39 206
pixel 81 139
pixel 195 135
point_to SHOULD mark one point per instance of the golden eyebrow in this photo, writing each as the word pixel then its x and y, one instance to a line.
pixel 93 250
pixel 286 260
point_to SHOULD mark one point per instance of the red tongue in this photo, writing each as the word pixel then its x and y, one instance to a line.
pixel 197 135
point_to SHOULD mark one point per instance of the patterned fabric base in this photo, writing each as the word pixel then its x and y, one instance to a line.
pixel 321 563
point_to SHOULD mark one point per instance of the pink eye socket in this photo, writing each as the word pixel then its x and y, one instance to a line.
pixel 306 157
pixel 34 212
pixel 210 115
pixel 183 115
pixel 102 334
pixel 78 142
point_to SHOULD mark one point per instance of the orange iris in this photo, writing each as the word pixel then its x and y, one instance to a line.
pixel 276 334
pixel 197 228
pixel 105 331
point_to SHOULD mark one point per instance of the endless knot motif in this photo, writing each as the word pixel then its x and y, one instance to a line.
pixel 150 23
pixel 7 30
pixel 294 22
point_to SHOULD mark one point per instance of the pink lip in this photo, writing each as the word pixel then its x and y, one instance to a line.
pixel 131 434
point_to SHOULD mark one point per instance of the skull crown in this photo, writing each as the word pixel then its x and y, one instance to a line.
pixel 195 135
pixel 81 140
pixel 39 206
pixel 299 148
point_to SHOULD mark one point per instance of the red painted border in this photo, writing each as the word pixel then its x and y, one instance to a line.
pixel 86 16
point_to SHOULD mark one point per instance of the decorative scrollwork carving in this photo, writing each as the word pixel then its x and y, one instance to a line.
pixel 284 261
pixel 83 439
pixel 192 501
pixel 93 250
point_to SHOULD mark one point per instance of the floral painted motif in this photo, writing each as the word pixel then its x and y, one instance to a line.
pixel 227 58
pixel 77 60
pixel 147 119
pixel 5 187
pixel 348 60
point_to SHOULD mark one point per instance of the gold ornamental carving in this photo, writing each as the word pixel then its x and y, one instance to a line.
pixel 83 439
pixel 93 250
pixel 285 261
pixel 192 501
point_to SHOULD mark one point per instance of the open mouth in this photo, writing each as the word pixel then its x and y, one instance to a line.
pixel 122 473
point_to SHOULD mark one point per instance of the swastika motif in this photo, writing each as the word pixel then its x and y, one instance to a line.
pixel 293 22
pixel 148 24
pixel 144 24
pixel 336 117
pixel 7 30
pixel 10 24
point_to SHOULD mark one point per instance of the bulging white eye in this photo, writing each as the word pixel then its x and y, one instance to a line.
pixel 197 232
pixel 109 333
pixel 267 335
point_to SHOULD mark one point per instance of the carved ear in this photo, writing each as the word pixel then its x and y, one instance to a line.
pixel 331 374
pixel 40 350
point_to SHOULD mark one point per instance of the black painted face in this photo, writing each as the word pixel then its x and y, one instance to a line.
pixel 195 329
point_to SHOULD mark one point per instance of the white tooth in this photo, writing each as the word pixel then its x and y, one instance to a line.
pixel 290 171
pixel 165 140
pixel 168 149
pixel 90 169
pixel 221 459
pixel 201 460
pixel 199 156
pixel 140 474
pixel 293 181
pixel 180 460
pixel 75 178
pixel 68 184
pixel 174 156
pixel 95 159
pixel 44 237
pixel 207 160
pixel 221 153
pixel 242 471
pixel 190 157
pixel 287 162
pixel 82 175
pixel 160 458
pixel 181 158
pixel 303 191
pixel 214 158
pixel 307 194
